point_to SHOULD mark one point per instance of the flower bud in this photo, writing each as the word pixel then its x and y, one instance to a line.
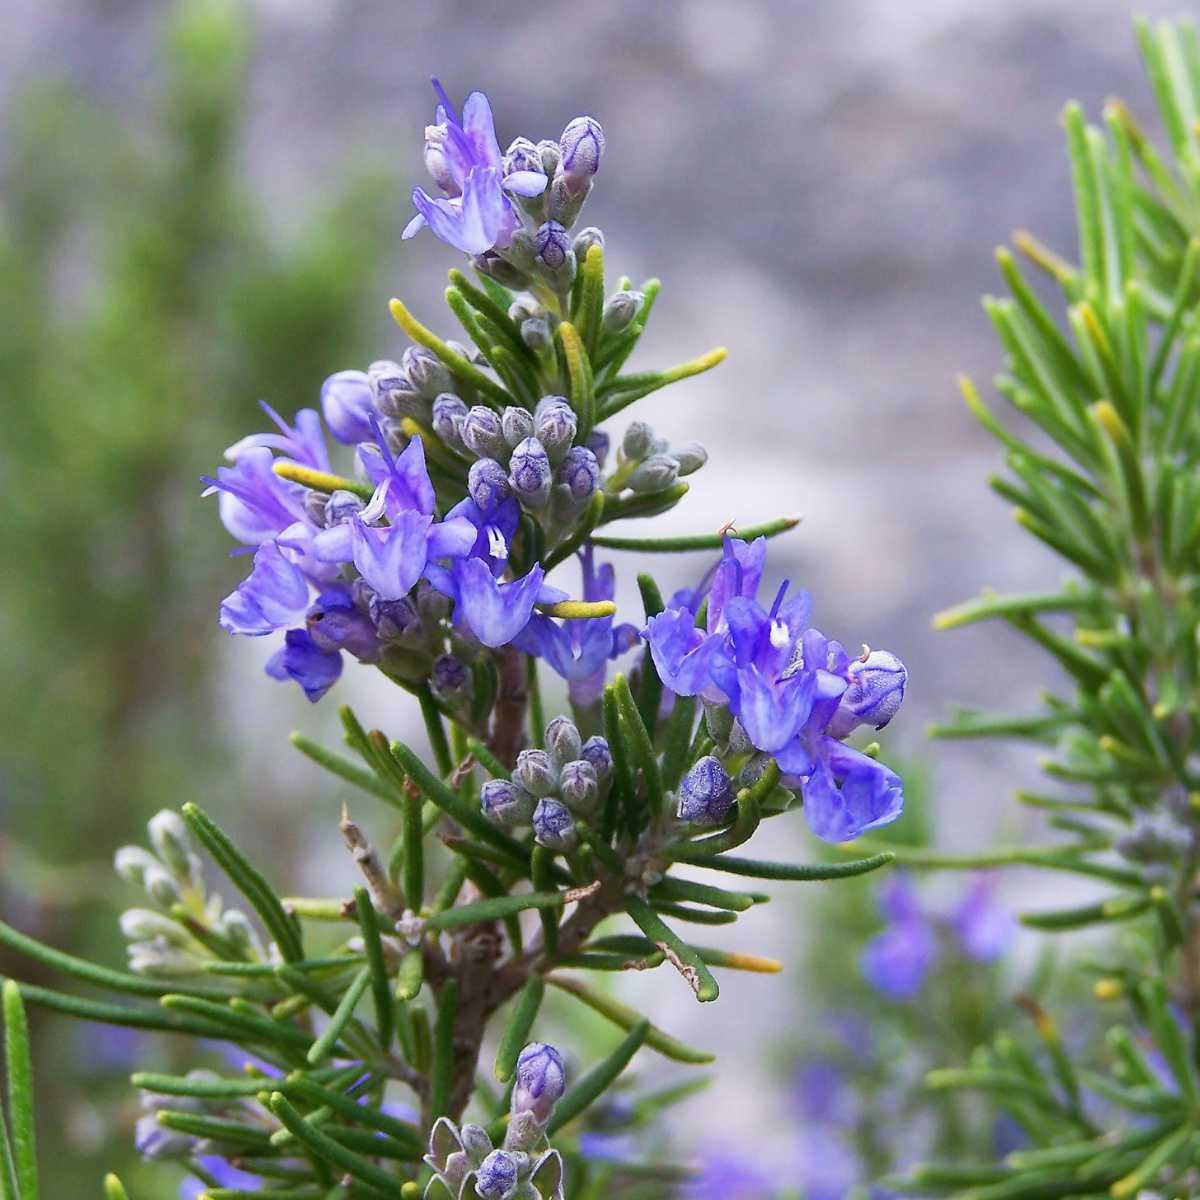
pixel 556 426
pixel 394 394
pixel 435 159
pixel 553 825
pixel 313 504
pixel 487 483
pixel 505 803
pixel 334 623
pixel 169 837
pixel 579 787
pixel 346 401
pixel 426 372
pixel 580 472
pixel 529 473
pixel 638 442
pixel 596 751
pixel 132 863
pixel 875 689
pixel 235 925
pixel 599 443
pixel 144 925
pixel 393 618
pixel 619 310
pixel 658 472
pixel 505 273
pixel 582 144
pixel 158 959
pixel 450 675
pixel 691 456
pixel 496 1178
pixel 481 433
pixel 162 886
pixel 541 1081
pixel 447 418
pixel 535 333
pixel 516 424
pixel 551 153
pixel 523 308
pixel 565 198
pixel 157 1143
pixel 523 155
pixel 562 740
pixel 535 772
pixel 340 506
pixel 585 239
pixel 706 793
pixel 552 246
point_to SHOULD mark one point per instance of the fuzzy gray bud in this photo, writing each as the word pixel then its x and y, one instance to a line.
pixel 516 424
pixel 169 837
pixel 657 473
pixel 132 863
pixel 535 772
pixel 535 333
pixel 619 310
pixel 505 803
pixel 691 456
pixel 563 741
pixel 638 442
pixel 580 472
pixel 481 433
pixel 596 751
pixel 447 417
pixel 487 483
pixel 579 787
pixel 556 426
pixel 585 239
pixel 340 506
pixel 529 473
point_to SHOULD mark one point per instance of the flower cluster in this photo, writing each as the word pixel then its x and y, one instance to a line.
pixel 772 684
pixel 464 1161
pixel 551 789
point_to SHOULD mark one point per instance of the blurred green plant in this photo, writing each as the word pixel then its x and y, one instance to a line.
pixel 143 309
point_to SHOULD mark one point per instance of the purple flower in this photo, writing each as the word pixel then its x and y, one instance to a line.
pixel 302 660
pixel 225 1175
pixel 896 960
pixel 876 684
pixel 825 1166
pixel 273 595
pixel 335 623
pixel 347 402
pixel 465 162
pixel 985 928
pixel 255 504
pixel 849 793
pixel 494 612
pixel 579 649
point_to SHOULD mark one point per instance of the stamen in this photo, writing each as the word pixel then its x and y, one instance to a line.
pixel 783 587
pixel 497 546
pixel 441 91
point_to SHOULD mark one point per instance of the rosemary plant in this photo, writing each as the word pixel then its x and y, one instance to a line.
pixel 1105 474
pixel 470 472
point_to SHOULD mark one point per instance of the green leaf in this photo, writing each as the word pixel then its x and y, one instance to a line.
pixel 627 1018
pixel 368 921
pixel 114 1189
pixel 650 688
pixel 697 541
pixel 203 1085
pixel 598 1080
pixel 624 390
pixel 802 872
pixel 340 1019
pixel 701 893
pixel 682 956
pixel 248 880
pixel 442 1076
pixel 20 1092
pixel 344 768
pixel 516 1034
pixel 363 1114
pixel 640 746
pixel 494 908
pixel 591 299
pixel 377 1181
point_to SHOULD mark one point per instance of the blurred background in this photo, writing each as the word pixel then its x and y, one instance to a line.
pixel 201 205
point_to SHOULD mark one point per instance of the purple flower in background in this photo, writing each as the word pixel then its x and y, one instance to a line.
pixel 985 928
pixel 225 1175
pixel 896 960
pixel 824 1166
pixel 727 1177
pixel 464 160
pixel 303 661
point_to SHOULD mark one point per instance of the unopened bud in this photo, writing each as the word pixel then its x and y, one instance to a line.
pixel 556 426
pixel 691 456
pixel 169 837
pixel 475 1142
pixel 529 473
pixel 596 751
pixel 599 443
pixel 447 417
pixel 535 333
pixel 347 402
pixel 143 925
pixel 341 506
pixel 553 825
pixel 541 1081
pixel 162 886
pixel 535 772
pixel 656 474
pixel 395 395
pixel 706 793
pixel 393 618
pixel 563 741
pixel 516 424
pixel 565 197
pixel 619 310
pixel 506 804
pixel 507 274
pixel 875 690
pixel 552 246
pixel 158 959
pixel 481 433
pixel 638 442
pixel 426 372
pixel 132 863
pixel 551 153
pixel 579 787
pixel 487 484
pixel 582 144
pixel 236 926
pixel 585 239
pixel 450 676
pixel 580 472
pixel 497 1176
